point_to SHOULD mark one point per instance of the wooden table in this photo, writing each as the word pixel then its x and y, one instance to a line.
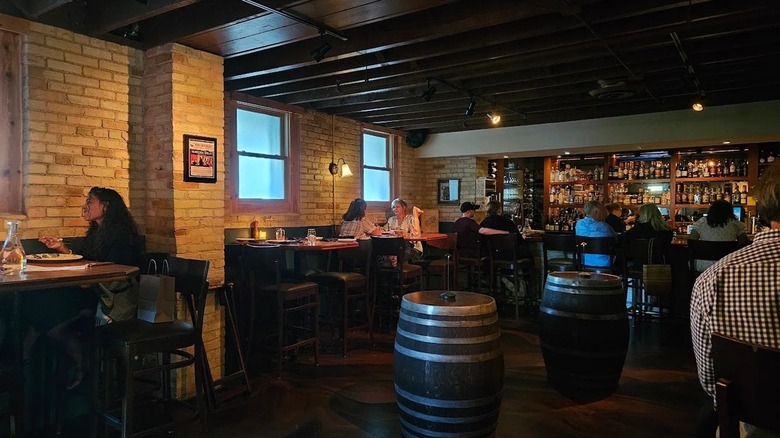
pixel 29 282
pixel 426 237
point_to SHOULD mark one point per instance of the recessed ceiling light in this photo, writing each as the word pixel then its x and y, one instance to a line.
pixel 566 153
pixel 726 142
pixel 506 156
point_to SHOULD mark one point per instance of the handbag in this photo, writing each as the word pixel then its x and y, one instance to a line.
pixel 657 278
pixel 157 295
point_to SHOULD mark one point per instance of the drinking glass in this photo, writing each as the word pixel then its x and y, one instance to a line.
pixel 280 234
pixel 311 236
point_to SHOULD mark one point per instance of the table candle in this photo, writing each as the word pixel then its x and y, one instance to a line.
pixel 262 235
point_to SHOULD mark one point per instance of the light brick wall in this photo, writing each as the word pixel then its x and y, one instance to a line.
pixel 464 168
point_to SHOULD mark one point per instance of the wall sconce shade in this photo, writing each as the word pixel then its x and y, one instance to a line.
pixel 333 168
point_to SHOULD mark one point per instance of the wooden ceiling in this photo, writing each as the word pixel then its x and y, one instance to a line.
pixel 536 61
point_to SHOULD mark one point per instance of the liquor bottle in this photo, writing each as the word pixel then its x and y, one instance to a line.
pixel 736 197
pixel 12 257
pixel 684 173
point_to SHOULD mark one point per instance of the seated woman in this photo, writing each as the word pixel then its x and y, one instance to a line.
pixel 355 224
pixel 112 236
pixel 719 225
pixel 406 223
pixel 650 224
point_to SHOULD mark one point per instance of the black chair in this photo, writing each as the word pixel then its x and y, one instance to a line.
pixel 709 251
pixel 635 254
pixel 391 282
pixel 296 304
pixel 349 284
pixel 503 262
pixel 565 243
pixel 443 262
pixel 472 261
pixel 748 385
pixel 11 375
pixel 127 342
pixel 595 246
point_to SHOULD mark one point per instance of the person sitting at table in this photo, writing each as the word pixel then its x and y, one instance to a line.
pixel 720 225
pixel 614 220
pixel 407 224
pixel 112 236
pixel 593 225
pixel 355 223
pixel 468 230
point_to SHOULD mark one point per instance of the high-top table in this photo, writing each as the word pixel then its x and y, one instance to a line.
pixel 52 275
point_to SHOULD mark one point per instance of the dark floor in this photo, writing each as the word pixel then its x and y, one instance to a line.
pixel 659 394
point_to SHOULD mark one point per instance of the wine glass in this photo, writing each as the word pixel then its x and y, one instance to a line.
pixel 311 236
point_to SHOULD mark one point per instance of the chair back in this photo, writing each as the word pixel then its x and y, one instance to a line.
pixel 356 259
pixel 470 246
pixel 191 282
pixel 388 246
pixel 263 265
pixel 559 242
pixel 748 384
pixel 706 250
pixel 596 246
pixel 502 247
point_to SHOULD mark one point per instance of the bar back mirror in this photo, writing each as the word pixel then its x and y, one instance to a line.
pixel 449 191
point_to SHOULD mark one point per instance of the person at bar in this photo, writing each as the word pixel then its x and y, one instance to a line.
pixel 593 225
pixel 763 257
pixel 112 236
pixel 650 224
pixel 469 230
pixel 614 219
pixel 719 225
pixel 355 223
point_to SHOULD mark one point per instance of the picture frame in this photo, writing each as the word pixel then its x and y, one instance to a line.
pixel 448 191
pixel 200 159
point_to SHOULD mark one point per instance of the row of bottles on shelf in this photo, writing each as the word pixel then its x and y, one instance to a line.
pixel 621 194
pixel 567 172
pixel 576 194
pixel 631 170
pixel 689 168
pixel 563 219
pixel 736 193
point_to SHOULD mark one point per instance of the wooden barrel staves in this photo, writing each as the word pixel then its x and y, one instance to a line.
pixel 448 364
pixel 583 332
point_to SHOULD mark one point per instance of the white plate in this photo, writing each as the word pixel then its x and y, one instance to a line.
pixel 346 240
pixel 53 257
pixel 249 239
pixel 281 241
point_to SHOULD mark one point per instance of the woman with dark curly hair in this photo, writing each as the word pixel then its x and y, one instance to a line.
pixel 719 225
pixel 112 236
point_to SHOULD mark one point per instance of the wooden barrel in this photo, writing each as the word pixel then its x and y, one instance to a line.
pixel 583 332
pixel 448 365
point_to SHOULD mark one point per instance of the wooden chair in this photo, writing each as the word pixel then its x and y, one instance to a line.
pixel 126 341
pixel 748 385
pixel 707 250
pixel 472 261
pixel 443 263
pixel 391 282
pixel 594 246
pixel 565 243
pixel 349 284
pixel 635 254
pixel 504 263
pixel 296 303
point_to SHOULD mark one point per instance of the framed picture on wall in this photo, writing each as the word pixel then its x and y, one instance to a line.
pixel 200 159
pixel 449 191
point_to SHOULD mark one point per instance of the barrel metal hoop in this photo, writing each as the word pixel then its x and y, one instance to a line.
pixel 587 316
pixel 455 404
pixel 430 433
pixel 446 420
pixel 448 358
pixel 448 340
pixel 488 320
pixel 589 291
pixel 444 310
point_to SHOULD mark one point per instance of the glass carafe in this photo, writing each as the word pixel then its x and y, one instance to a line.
pixel 12 258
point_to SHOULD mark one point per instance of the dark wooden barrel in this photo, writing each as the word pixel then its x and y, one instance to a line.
pixel 583 332
pixel 448 365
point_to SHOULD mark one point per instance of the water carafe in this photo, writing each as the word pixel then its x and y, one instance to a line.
pixel 12 258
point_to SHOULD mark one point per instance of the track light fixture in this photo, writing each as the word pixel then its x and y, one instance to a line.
pixel 698 103
pixel 470 109
pixel 319 53
pixel 494 118
pixel 428 94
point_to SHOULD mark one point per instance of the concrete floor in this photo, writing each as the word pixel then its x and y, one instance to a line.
pixel 659 394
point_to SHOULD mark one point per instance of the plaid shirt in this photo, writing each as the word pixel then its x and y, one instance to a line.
pixel 738 296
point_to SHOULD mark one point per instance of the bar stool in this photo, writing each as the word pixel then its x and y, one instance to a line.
pixel 565 243
pixel 596 246
pixel 709 251
pixel 472 261
pixel 444 263
pixel 504 263
pixel 391 282
pixel 349 285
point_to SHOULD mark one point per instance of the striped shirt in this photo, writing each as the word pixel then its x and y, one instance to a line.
pixel 738 296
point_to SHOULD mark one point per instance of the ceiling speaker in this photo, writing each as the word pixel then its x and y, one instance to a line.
pixel 415 139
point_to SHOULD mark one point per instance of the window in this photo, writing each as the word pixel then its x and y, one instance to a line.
pixel 11 200
pixel 377 166
pixel 263 150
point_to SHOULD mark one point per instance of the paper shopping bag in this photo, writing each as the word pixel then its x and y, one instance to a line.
pixel 157 296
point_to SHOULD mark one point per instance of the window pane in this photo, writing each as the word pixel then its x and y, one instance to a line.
pixel 260 178
pixel 376 185
pixel 374 150
pixel 259 133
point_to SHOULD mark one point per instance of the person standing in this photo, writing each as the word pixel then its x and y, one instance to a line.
pixel 593 225
pixel 614 219
pixel 750 297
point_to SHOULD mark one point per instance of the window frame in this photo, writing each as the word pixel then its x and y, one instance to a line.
pixel 392 158
pixel 13 202
pixel 290 141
